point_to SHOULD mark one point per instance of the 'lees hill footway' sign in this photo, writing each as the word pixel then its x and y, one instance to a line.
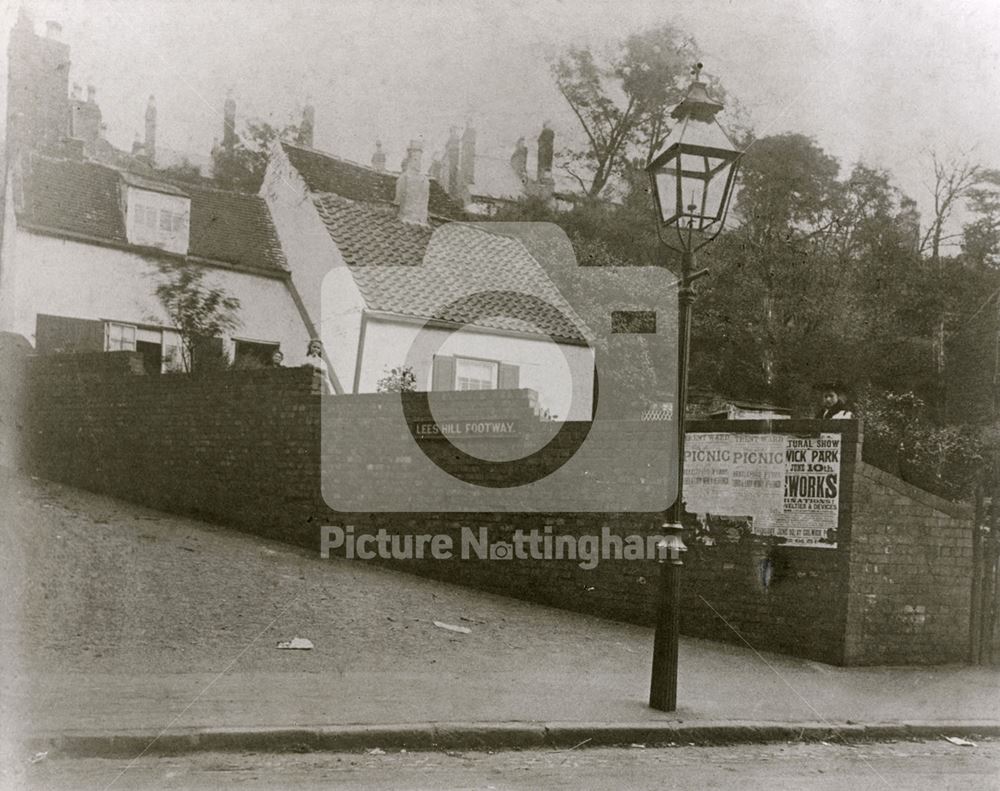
pixel 430 429
pixel 784 486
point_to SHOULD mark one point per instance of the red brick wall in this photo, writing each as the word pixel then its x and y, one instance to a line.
pixel 243 448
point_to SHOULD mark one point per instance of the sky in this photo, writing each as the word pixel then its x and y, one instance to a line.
pixel 884 82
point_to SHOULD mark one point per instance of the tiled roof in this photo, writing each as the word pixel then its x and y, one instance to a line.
pixel 143 183
pixel 425 272
pixel 325 173
pixel 85 198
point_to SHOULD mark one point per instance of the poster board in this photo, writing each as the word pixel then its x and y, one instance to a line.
pixel 777 485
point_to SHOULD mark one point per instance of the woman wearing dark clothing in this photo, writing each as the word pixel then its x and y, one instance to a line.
pixel 835 406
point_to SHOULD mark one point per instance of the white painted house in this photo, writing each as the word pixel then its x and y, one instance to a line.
pixel 86 228
pixel 393 278
pixel 81 250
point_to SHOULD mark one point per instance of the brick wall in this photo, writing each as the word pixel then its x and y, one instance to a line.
pixel 910 571
pixel 243 448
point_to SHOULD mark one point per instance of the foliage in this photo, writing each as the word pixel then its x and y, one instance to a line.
pixel 198 312
pixel 622 100
pixel 182 171
pixel 981 237
pixel 772 297
pixel 242 166
pixel 900 436
pixel 819 276
pixel 397 380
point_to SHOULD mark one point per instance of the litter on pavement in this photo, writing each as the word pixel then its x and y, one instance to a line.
pixel 959 741
pixel 452 628
pixel 299 643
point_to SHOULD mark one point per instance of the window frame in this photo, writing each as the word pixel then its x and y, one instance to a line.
pixel 272 345
pixel 109 327
pixel 169 340
pixel 459 359
pixel 159 220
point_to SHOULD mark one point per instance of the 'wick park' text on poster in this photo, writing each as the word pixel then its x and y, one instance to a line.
pixel 774 484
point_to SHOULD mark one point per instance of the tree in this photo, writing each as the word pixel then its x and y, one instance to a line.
pixel 788 201
pixel 622 100
pixel 201 314
pixel 952 181
pixel 981 237
pixel 242 165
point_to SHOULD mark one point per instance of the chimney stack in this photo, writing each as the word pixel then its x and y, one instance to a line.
pixel 545 187
pixel 53 30
pixel 519 159
pixel 229 122
pixel 378 158
pixel 468 162
pixel 308 125
pixel 545 146
pixel 77 91
pixel 452 155
pixel 413 187
pixel 466 166
pixel 91 94
pixel 37 87
pixel 150 143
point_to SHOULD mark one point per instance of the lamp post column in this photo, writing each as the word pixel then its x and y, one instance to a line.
pixel 663 683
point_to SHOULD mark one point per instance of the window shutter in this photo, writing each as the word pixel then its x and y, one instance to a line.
pixel 64 334
pixel 443 377
pixel 510 377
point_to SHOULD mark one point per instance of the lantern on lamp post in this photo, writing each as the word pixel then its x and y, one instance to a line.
pixel 692 183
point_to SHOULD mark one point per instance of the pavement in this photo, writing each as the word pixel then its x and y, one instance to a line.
pixel 128 631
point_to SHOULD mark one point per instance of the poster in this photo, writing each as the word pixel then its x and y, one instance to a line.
pixel 779 485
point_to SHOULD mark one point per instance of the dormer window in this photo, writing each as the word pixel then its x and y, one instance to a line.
pixel 157 219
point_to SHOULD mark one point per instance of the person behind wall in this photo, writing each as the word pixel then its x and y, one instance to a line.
pixel 834 404
pixel 277 358
pixel 314 360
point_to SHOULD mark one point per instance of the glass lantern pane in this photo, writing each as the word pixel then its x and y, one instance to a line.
pixel 714 195
pixel 693 195
pixel 692 163
pixel 666 188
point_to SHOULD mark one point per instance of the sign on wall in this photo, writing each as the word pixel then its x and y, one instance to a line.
pixel 776 485
pixel 476 428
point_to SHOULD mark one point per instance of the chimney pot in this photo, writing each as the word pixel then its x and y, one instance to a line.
pixel 452 164
pixel 229 121
pixel 545 147
pixel 91 93
pixel 149 146
pixel 413 187
pixel 414 153
pixel 378 158
pixel 519 159
pixel 77 91
pixel 468 160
